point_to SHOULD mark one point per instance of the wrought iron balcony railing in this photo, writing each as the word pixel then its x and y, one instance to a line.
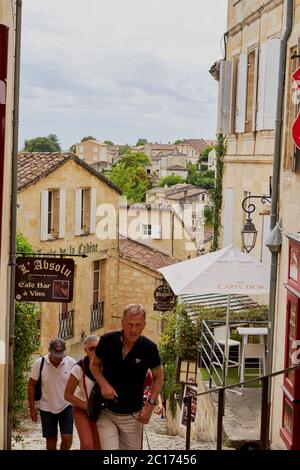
pixel 66 325
pixel 97 316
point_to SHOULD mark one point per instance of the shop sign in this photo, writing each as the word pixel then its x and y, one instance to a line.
pixel 44 279
pixel 296 125
pixel 164 297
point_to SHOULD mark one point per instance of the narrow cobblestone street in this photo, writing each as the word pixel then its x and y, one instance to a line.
pixel 155 437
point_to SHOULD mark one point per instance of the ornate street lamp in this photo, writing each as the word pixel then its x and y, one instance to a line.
pixel 249 235
pixel 249 232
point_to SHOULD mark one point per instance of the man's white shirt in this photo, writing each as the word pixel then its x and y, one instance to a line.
pixel 54 380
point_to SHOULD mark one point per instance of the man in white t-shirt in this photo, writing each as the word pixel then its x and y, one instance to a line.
pixel 54 409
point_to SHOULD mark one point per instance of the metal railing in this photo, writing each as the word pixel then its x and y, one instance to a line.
pixel 66 325
pixel 212 355
pixel 97 316
pixel 265 408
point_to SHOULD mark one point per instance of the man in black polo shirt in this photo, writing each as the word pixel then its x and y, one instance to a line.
pixel 120 365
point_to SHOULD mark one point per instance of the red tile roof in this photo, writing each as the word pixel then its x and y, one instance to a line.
pixel 199 144
pixel 33 166
pixel 144 255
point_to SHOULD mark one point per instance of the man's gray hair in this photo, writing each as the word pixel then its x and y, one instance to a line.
pixel 90 339
pixel 134 309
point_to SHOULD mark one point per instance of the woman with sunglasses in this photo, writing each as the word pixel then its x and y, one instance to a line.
pixel 77 391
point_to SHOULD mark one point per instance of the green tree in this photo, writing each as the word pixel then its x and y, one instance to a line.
pixel 88 137
pixel 43 144
pixel 205 152
pixel 205 179
pixel 134 159
pixel 124 149
pixel 26 333
pixel 141 141
pixel 170 180
pixel 130 175
pixel 109 142
pixel 178 141
pixel 72 148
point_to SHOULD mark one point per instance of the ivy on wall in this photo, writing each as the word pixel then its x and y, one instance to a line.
pixel 220 151
pixel 26 331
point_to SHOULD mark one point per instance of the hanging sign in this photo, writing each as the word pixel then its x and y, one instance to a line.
pixel 296 125
pixel 44 279
pixel 164 297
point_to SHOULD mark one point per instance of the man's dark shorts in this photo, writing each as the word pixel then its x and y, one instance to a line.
pixel 50 421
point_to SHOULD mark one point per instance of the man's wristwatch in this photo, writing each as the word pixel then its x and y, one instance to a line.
pixel 151 401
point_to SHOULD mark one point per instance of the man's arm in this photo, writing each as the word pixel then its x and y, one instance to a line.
pixel 107 390
pixel 157 382
pixel 157 377
pixel 31 401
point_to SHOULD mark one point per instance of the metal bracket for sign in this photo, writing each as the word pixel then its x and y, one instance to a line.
pixel 61 255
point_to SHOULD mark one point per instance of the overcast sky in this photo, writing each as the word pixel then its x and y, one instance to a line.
pixel 120 69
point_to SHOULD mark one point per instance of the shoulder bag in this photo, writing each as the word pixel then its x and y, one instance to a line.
pixel 95 401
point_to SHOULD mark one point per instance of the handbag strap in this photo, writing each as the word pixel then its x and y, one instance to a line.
pixel 83 379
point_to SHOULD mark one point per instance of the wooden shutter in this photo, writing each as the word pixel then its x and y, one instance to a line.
pixel 261 87
pixel 271 83
pixel 267 84
pixel 93 211
pixel 241 94
pixel 224 97
pixel 155 232
pixel 62 213
pixel 78 199
pixel 44 215
pixel 233 92
pixel 255 91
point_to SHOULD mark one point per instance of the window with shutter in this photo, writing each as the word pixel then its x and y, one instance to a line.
pixel 84 204
pixel 44 215
pixel 78 204
pixel 268 84
pixel 271 84
pixel 224 97
pixel 241 96
pixel 251 91
pixel 50 214
pixel 261 86
pixel 147 231
pixel 93 209
pixel 155 232
pixel 62 213
pixel 233 93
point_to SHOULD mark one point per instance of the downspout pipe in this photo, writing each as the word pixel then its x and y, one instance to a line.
pixel 289 14
pixel 13 224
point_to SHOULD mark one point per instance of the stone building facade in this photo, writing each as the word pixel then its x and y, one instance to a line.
pixel 248 78
pixel 159 227
pixel 7 43
pixel 59 198
pixel 138 279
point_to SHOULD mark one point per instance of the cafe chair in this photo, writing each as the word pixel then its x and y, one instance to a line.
pixel 253 351
pixel 220 338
